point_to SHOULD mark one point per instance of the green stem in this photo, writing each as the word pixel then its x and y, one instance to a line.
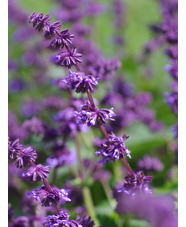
pixel 89 205
pixel 80 160
pixel 107 190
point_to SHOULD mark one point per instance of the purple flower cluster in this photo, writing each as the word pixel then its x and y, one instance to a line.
pixel 113 149
pixel 80 82
pixel 90 115
pixel 36 173
pixel 24 156
pixel 49 198
pixel 133 184
pixel 159 211
pixel 62 219
pixel 150 163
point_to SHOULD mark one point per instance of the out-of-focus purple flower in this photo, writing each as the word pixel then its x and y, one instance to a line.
pixel 30 108
pixel 150 163
pixel 21 221
pixel 89 115
pixel 54 102
pixel 133 184
pixel 172 100
pixel 85 221
pixel 67 59
pixel 33 126
pixel 174 129
pixel 80 82
pixel 159 211
pixel 156 126
pixel 36 173
pixel 113 149
pixel 16 85
pixel 12 65
pixel 14 128
pixel 172 52
pixel 10 212
pixel 62 219
pixel 48 198
pixel 61 157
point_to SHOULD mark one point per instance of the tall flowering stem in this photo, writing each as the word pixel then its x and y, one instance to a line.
pixel 71 58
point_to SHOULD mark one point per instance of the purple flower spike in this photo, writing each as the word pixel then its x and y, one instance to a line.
pixel 63 38
pixel 48 198
pixel 113 149
pixel 67 59
pixel 80 82
pixel 36 173
pixel 89 115
pixel 62 219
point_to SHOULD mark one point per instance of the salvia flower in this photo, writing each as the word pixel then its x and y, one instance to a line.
pixel 21 221
pixel 80 82
pixel 113 149
pixel 25 157
pixel 159 211
pixel 85 221
pixel 67 59
pixel 34 126
pixel 48 198
pixel 134 183
pixel 14 148
pixel 60 220
pixel 89 115
pixel 51 30
pixel 61 39
pixel 39 21
pixel 150 163
pixel 36 173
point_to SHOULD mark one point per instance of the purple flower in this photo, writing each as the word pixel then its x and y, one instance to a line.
pixel 62 219
pixel 174 129
pixel 133 184
pixel 61 39
pixel 172 100
pixel 61 157
pixel 113 149
pixel 67 59
pixel 34 126
pixel 51 30
pixel 150 163
pixel 159 211
pixel 14 148
pixel 25 157
pixel 48 198
pixel 89 115
pixel 39 21
pixel 85 221
pixel 80 82
pixel 36 173
pixel 21 221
